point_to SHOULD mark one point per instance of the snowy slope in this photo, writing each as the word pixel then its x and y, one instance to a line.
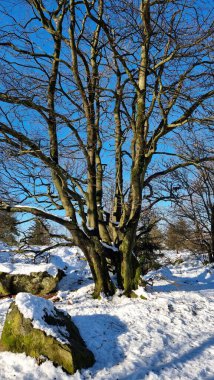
pixel 168 336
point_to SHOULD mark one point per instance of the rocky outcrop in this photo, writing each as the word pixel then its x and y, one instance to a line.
pixel 34 326
pixel 35 279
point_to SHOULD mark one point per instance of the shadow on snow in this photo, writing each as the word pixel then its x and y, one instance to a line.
pixel 177 363
pixel 101 332
pixel 201 282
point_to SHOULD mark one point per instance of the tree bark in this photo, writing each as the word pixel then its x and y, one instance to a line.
pixel 94 254
pixel 211 253
pixel 130 268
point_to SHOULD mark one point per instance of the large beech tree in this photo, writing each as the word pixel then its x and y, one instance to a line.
pixel 91 92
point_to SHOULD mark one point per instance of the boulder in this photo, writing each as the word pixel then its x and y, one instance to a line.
pixel 34 326
pixel 36 279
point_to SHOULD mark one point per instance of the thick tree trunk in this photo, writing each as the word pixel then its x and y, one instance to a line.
pixel 211 253
pixel 130 268
pixel 103 283
pixel 126 265
pixel 97 262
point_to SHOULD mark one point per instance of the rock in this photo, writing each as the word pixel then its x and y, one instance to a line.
pixel 34 326
pixel 36 279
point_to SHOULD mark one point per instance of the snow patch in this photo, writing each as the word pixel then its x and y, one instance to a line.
pixel 112 247
pixel 22 367
pixel 36 309
pixel 27 269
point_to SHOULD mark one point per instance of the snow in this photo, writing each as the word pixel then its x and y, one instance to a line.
pixel 36 309
pixel 21 367
pixel 168 336
pixel 90 228
pixel 27 269
pixel 112 247
pixel 4 255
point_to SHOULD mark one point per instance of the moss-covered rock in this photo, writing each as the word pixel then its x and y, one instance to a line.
pixel 5 281
pixel 19 335
pixel 33 282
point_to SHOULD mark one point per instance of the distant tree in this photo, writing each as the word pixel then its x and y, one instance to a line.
pixel 149 241
pixel 194 202
pixel 38 233
pixel 8 228
pixel 178 235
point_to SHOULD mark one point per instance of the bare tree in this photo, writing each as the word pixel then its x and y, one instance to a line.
pixel 195 204
pixel 94 92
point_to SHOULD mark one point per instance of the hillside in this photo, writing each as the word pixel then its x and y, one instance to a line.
pixel 168 336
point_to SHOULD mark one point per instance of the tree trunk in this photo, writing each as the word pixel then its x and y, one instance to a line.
pixel 130 268
pixel 103 283
pixel 97 262
pixel 211 253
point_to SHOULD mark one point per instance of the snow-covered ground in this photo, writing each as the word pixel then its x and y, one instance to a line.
pixel 169 336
